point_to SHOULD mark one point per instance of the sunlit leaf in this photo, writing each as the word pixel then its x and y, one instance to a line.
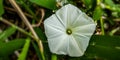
pixel 23 54
pixel 54 57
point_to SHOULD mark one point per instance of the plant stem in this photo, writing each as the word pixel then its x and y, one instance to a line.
pixel 40 21
pixel 102 26
pixel 114 31
pixel 28 9
pixel 25 20
pixel 98 2
pixel 54 57
pixel 14 26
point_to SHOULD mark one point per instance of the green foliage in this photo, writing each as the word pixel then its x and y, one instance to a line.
pixel 23 54
pixel 112 6
pixel 88 3
pixel 54 57
pixel 4 58
pixel 6 33
pixel 9 47
pixel 40 34
pixel 97 13
pixel 110 3
pixel 1 7
pixel 37 50
pixel 50 4
pixel 107 47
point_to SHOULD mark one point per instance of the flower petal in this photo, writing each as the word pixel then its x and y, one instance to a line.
pixel 81 20
pixel 56 39
pixel 56 35
pixel 58 45
pixel 82 41
pixel 62 17
pixel 87 30
pixel 55 32
pixel 74 48
pixel 54 22
pixel 72 14
pixel 68 14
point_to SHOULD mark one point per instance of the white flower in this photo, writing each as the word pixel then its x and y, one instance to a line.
pixel 68 31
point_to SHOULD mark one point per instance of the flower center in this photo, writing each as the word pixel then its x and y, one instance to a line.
pixel 69 31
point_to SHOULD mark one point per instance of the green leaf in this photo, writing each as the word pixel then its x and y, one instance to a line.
pixel 110 3
pixel 37 50
pixel 40 34
pixel 10 47
pixel 112 6
pixel 88 3
pixel 23 54
pixel 50 4
pixel 5 58
pixel 97 13
pixel 54 57
pixel 1 7
pixel 5 34
pixel 107 47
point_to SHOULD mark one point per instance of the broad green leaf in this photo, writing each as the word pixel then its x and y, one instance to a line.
pixel 103 48
pixel 50 4
pixel 1 7
pixel 5 34
pixel 23 54
pixel 10 47
pixel 97 13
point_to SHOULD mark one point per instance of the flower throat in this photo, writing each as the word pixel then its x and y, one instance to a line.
pixel 69 31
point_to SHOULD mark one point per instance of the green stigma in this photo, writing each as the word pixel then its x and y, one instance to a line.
pixel 69 31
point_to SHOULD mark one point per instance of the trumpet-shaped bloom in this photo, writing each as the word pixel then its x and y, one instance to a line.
pixel 68 31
